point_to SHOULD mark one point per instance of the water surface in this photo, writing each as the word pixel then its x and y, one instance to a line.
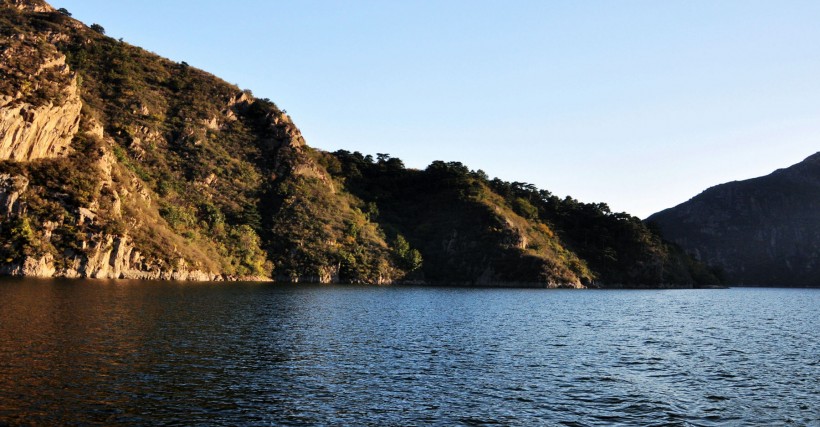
pixel 120 352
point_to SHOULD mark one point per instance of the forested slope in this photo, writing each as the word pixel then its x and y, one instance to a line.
pixel 117 163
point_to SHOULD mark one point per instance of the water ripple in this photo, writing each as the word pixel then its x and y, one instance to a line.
pixel 124 353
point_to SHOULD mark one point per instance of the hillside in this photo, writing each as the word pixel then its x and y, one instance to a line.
pixel 762 232
pixel 117 163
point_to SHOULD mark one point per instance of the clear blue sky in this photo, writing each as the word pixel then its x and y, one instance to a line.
pixel 639 104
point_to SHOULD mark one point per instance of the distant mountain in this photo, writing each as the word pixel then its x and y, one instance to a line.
pixel 762 231
pixel 117 163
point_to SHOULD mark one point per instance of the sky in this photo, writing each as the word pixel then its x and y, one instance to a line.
pixel 638 104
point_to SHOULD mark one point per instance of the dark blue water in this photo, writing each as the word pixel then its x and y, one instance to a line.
pixel 98 352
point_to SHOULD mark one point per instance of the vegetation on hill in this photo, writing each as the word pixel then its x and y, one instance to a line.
pixel 195 172
pixel 512 230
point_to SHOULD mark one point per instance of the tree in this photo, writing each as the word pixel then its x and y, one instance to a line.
pixel 409 258
pixel 98 28
pixel 64 11
pixel 394 164
pixel 413 259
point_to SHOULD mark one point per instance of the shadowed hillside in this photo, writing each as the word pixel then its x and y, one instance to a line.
pixel 761 232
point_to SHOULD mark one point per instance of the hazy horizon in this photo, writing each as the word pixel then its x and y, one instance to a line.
pixel 640 105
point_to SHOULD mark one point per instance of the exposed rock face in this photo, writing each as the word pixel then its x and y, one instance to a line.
pixel 324 275
pixel 31 5
pixel 28 131
pixel 114 257
pixel 31 267
pixel 111 258
pixel 11 187
pixel 762 231
pixel 103 256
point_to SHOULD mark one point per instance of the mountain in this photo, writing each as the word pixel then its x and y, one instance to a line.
pixel 762 231
pixel 117 163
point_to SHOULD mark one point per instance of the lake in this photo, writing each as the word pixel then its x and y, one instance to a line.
pixel 127 352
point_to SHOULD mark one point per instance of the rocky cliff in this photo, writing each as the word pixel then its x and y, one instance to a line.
pixel 62 189
pixel 762 231
pixel 40 113
pixel 117 163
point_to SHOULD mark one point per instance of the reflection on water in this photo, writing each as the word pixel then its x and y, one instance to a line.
pixel 119 352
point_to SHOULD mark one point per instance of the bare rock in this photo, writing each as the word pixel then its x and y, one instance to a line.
pixel 240 101
pixel 29 132
pixel 11 188
pixel 31 5
pixel 31 267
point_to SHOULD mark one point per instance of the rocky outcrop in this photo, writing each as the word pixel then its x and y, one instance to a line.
pixel 31 267
pixel 761 232
pixel 324 275
pixel 102 256
pixel 11 188
pixel 489 278
pixel 38 6
pixel 29 131
pixel 112 258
